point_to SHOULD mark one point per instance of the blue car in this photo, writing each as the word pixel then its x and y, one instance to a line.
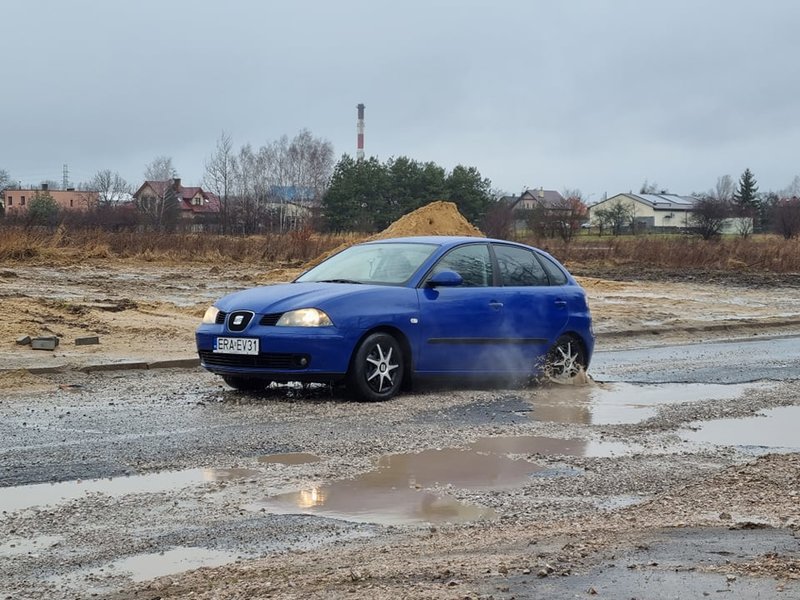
pixel 379 314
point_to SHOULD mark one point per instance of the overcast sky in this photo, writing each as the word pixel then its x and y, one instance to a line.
pixel 595 95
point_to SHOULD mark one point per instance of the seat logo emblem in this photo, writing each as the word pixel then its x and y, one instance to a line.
pixel 237 320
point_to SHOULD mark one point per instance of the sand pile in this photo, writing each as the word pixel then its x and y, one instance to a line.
pixel 436 218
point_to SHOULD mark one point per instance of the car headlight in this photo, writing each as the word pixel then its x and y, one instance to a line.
pixel 211 315
pixel 304 317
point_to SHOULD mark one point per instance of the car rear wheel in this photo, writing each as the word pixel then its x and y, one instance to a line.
pixel 245 384
pixel 376 370
pixel 565 360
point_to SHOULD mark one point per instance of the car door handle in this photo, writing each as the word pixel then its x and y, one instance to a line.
pixel 561 303
pixel 496 305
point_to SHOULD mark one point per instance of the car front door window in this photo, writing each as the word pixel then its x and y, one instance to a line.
pixel 472 262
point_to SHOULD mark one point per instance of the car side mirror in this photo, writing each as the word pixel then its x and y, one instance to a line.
pixel 445 279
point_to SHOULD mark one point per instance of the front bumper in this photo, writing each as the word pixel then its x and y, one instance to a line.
pixel 286 354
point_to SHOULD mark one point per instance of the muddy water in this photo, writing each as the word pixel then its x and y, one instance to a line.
pixel 142 567
pixel 42 494
pixel 397 490
pixel 531 444
pixel 777 429
pixel 619 403
pixel 94 582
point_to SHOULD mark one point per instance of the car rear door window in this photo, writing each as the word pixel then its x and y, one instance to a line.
pixel 519 267
pixel 554 272
pixel 472 262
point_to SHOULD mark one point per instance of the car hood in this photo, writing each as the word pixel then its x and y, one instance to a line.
pixel 289 296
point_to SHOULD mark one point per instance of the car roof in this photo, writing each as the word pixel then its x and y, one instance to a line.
pixel 440 240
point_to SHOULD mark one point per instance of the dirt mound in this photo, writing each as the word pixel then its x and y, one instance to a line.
pixel 436 218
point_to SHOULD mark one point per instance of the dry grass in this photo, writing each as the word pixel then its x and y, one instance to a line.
pixel 66 246
pixel 767 253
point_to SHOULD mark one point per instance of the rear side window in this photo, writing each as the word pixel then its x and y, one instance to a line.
pixel 471 262
pixel 554 272
pixel 519 267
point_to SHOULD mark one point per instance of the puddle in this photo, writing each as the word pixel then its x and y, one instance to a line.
pixel 773 429
pixel 289 458
pixel 142 567
pixel 623 403
pixel 531 444
pixel 41 494
pixel 103 581
pixel 395 492
pixel 355 501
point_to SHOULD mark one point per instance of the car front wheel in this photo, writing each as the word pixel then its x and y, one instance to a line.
pixel 565 360
pixel 376 371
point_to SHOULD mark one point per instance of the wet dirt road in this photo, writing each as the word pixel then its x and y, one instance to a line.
pixel 110 480
pixel 776 358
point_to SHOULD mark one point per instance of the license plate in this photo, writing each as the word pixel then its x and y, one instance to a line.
pixel 226 345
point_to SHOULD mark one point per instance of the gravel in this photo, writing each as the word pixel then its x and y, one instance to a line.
pixel 568 516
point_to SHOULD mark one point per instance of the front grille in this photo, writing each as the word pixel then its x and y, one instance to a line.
pixel 238 320
pixel 270 320
pixel 270 360
pixel 221 317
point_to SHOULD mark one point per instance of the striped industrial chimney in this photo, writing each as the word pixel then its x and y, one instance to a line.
pixel 360 132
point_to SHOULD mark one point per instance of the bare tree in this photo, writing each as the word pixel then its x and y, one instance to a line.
pixel 265 184
pixel 786 217
pixel 111 187
pixel 570 213
pixel 793 189
pixel 160 206
pixel 300 171
pixel 724 189
pixel 708 216
pixel 251 187
pixel 219 175
pixel 616 216
pixel 160 169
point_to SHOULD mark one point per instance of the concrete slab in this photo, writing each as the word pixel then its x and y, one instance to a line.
pixel 178 363
pixel 44 343
pixel 88 340
pixel 121 366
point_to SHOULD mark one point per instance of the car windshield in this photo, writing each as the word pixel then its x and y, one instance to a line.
pixel 385 264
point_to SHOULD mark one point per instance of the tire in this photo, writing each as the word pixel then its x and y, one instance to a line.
pixel 565 360
pixel 246 384
pixel 376 369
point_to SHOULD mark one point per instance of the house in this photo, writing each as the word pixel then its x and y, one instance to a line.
pixel 541 198
pixel 522 207
pixel 650 211
pixel 17 201
pixel 198 210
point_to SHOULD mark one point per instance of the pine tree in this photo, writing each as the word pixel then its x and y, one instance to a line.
pixel 747 203
pixel 746 195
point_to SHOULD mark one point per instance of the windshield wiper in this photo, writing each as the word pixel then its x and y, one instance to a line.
pixel 338 281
